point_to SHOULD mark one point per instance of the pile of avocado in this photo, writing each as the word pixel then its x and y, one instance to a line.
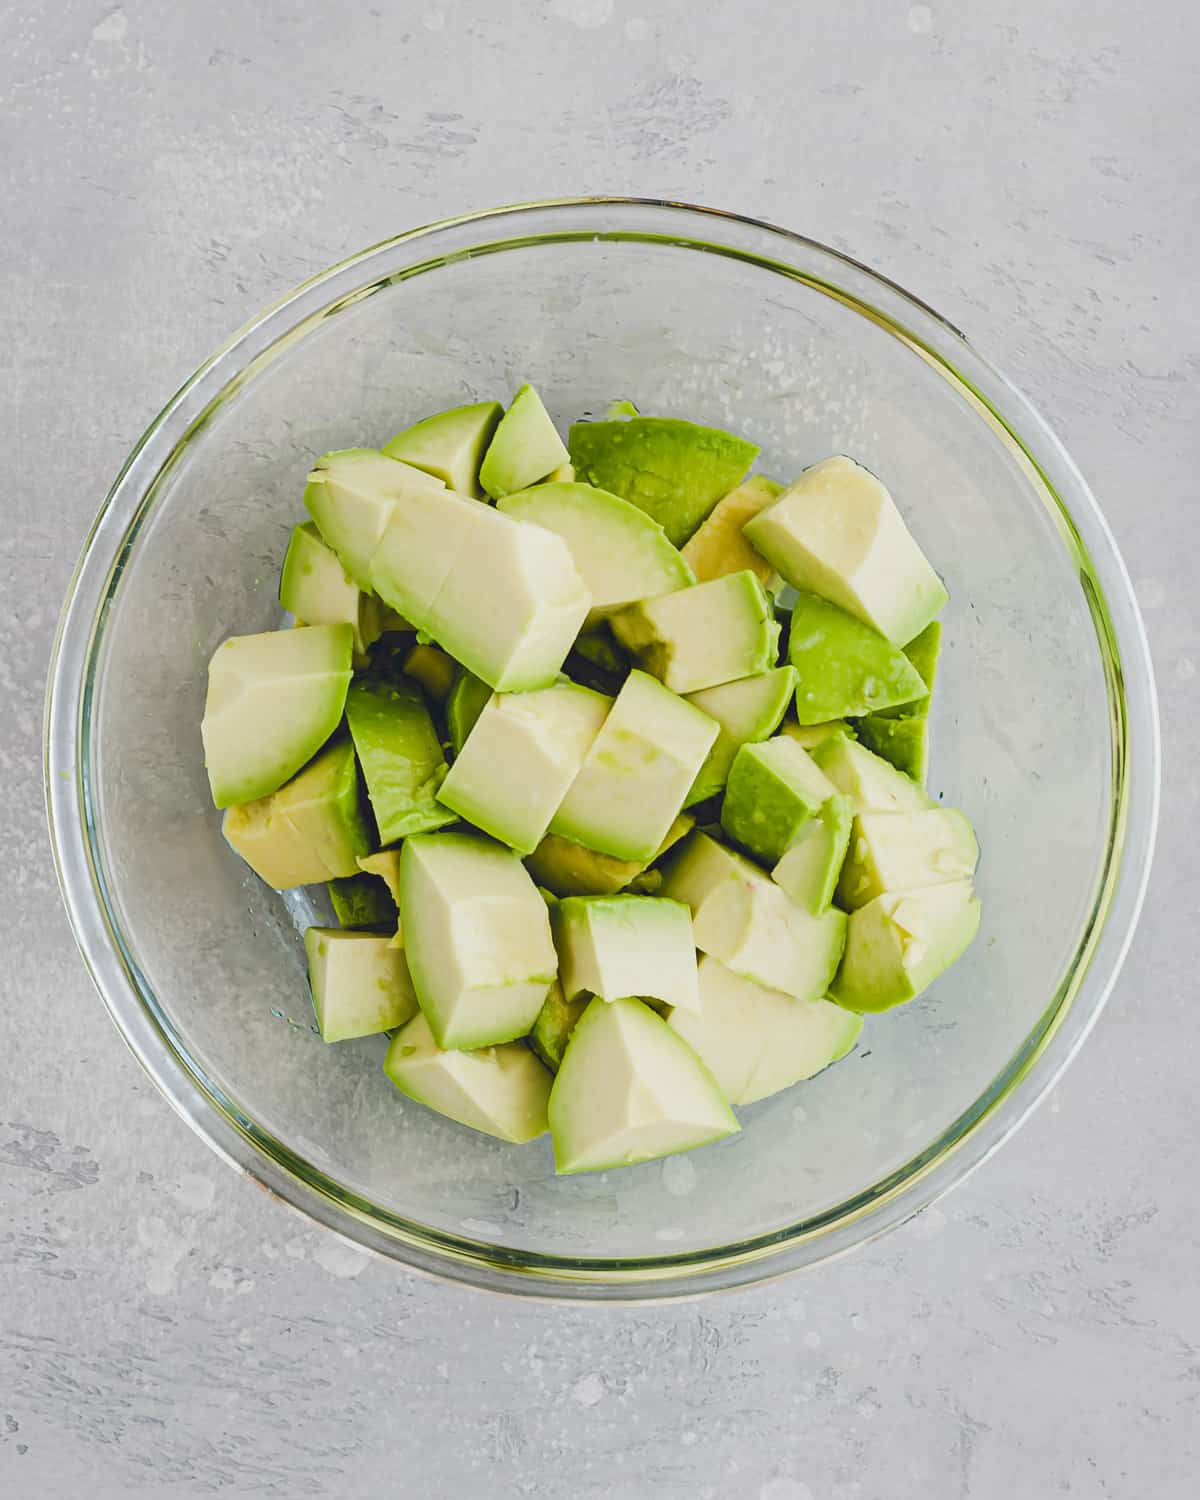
pixel 607 858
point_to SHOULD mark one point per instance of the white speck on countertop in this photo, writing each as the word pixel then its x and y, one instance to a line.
pixel 636 30
pixel 194 1192
pixel 920 20
pixel 112 28
pixel 588 1390
pixel 782 1487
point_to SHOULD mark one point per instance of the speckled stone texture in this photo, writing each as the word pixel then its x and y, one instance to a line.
pixel 168 169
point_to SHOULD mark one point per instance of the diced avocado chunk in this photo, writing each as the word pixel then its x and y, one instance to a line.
pixel 502 597
pixel 525 447
pixel 273 700
pixel 556 1021
pixel 502 1091
pixel 899 943
pixel 362 901
pixel 719 546
pixel 386 865
pixel 360 984
pixel 809 868
pixel 675 471
pixel 845 668
pixel 748 710
pixel 742 918
pixel 630 1090
pixel 315 588
pixel 450 445
pixel 836 532
pixel 774 788
pixel 464 705
pixel 310 830
pixel 615 946
pixel 902 851
pixel 903 743
pixel 700 637
pixel 637 772
pixel 812 735
pixel 620 553
pixel 523 753
pixel 870 782
pixel 401 757
pixel 568 869
pixel 433 669
pixel 923 651
pixel 477 936
pixel 350 495
pixel 756 1041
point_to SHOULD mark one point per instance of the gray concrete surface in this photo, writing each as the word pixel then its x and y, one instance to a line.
pixel 167 169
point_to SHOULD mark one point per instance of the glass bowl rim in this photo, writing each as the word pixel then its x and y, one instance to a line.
pixel 970 1139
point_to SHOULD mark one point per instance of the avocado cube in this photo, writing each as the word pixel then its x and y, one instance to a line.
pixel 812 735
pixel 901 851
pixel 386 865
pixel 525 447
pixel 809 868
pixel 631 1090
pixel 273 700
pixel 566 868
pixel 869 781
pixel 923 651
pixel 360 983
pixel 351 494
pixel 700 637
pixel 675 471
pixel 317 590
pixel 620 553
pixel 845 668
pixel 501 1091
pixel 756 1041
pixel 898 944
pixel 311 830
pixel 433 669
pixel 520 758
pixel 836 532
pixel 750 924
pixel 773 789
pixel 401 757
pixel 450 445
pixel 500 596
pixel 614 946
pixel 477 936
pixel 719 547
pixel 748 710
pixel 634 778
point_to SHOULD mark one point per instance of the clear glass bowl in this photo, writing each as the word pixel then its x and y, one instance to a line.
pixel 1045 729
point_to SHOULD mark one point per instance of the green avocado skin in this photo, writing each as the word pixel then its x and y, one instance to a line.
pixel 675 471
pixel 400 755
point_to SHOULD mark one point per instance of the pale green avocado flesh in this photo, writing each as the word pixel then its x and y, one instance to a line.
pixel 401 757
pixel 360 983
pixel 450 446
pixel 844 668
pixel 526 447
pixel 630 1090
pixel 273 700
pixel 312 829
pixel 500 1091
pixel 774 788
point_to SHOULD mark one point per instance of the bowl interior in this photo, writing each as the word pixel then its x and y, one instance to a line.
pixel 1022 732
